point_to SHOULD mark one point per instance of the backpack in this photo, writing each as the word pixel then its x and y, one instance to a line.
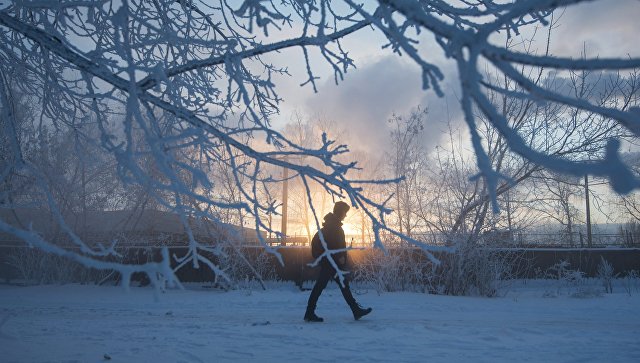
pixel 316 246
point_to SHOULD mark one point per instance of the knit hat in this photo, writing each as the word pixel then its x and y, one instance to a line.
pixel 341 208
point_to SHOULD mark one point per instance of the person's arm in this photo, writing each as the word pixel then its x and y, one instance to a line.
pixel 336 241
pixel 341 257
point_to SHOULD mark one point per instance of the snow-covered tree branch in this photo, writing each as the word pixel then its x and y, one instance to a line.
pixel 177 89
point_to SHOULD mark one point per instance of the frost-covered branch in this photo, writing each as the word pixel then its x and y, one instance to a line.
pixel 467 40
pixel 178 96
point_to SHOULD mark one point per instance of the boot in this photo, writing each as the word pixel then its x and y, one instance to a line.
pixel 310 316
pixel 358 311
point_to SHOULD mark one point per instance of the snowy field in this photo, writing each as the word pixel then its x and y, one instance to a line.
pixel 536 322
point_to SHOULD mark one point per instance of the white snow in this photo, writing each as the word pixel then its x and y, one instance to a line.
pixel 74 323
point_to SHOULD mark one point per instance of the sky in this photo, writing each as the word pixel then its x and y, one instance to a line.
pixel 384 83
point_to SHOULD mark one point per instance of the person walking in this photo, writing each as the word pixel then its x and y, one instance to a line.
pixel 334 237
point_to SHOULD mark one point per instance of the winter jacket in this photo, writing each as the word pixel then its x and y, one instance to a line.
pixel 334 237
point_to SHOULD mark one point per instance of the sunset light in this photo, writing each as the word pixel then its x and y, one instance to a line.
pixel 166 167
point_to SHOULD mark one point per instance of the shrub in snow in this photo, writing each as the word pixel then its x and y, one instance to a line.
pixel 631 282
pixel 472 270
pixel 245 266
pixel 606 275
pixel 36 267
pixel 574 280
pixel 469 270
pixel 400 269
pixel 561 271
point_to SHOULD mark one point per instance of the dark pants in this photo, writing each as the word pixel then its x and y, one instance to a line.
pixel 327 273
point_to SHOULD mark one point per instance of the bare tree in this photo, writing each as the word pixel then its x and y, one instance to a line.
pixel 301 132
pixel 449 205
pixel 555 129
pixel 558 202
pixel 405 162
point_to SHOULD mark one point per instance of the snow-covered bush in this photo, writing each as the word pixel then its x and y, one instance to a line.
pixel 245 266
pixel 631 282
pixel 36 267
pixel 574 280
pixel 606 275
pixel 561 271
pixel 400 269
pixel 469 270
pixel 472 270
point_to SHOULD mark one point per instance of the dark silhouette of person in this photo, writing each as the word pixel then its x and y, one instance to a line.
pixel 334 237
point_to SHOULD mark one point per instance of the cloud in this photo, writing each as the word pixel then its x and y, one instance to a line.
pixel 597 84
pixel 605 28
pixel 370 95
pixel 389 84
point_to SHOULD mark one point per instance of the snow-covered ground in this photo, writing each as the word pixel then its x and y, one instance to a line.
pixel 537 322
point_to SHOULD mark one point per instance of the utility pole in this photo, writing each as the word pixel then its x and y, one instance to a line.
pixel 285 198
pixel 509 217
pixel 588 209
pixel 362 228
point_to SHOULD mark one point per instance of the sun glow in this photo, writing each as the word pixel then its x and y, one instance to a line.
pixel 350 230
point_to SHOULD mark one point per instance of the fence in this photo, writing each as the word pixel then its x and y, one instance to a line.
pixel 524 263
pixel 624 239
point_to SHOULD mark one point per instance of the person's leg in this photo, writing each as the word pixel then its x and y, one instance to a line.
pixel 356 309
pixel 321 283
pixel 346 291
